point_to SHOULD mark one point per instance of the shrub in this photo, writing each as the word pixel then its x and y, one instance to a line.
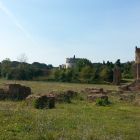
pixel 102 102
pixel 51 102
pixel 62 97
pixel 67 98
pixel 41 102
pixel 44 102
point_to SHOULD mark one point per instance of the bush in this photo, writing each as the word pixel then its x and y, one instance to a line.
pixel 62 97
pixel 44 102
pixel 51 102
pixel 102 102
pixel 41 102
pixel 67 98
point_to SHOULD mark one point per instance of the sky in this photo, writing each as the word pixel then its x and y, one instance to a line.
pixel 49 31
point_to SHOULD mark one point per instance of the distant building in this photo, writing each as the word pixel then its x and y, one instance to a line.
pixel 70 62
pixel 63 66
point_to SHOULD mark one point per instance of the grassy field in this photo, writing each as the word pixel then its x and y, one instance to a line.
pixel 79 120
pixel 44 87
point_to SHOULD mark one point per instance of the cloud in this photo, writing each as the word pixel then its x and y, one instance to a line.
pixel 7 12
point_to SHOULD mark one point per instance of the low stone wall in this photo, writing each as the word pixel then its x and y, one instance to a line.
pixel 14 92
pixel 3 94
pixel 134 86
pixel 96 93
pixel 41 101
pixel 65 96
pixel 48 100
pixel 97 96
pixel 129 97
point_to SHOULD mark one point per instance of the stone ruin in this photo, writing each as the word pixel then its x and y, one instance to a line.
pixel 132 87
pixel 48 100
pixel 3 94
pixel 14 92
pixel 137 64
pixel 95 93
pixel 130 92
pixel 117 75
pixel 65 96
pixel 41 101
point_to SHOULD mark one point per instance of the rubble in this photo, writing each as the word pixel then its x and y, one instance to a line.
pixel 41 101
pixel 96 93
pixel 14 92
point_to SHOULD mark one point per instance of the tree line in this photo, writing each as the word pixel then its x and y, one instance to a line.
pixel 84 71
pixel 87 72
pixel 14 70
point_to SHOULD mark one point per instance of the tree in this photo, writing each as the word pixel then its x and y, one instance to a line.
pixel 83 63
pixel 118 63
pixel 25 71
pixel 5 68
pixel 106 74
pixel 22 58
pixel 39 65
pixel 69 75
pixel 62 77
pixel 56 73
pixel 86 74
pixel 127 70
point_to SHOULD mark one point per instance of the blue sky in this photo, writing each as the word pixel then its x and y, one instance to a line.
pixel 48 31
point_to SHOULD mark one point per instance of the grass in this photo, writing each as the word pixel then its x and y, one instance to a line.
pixel 43 87
pixel 79 120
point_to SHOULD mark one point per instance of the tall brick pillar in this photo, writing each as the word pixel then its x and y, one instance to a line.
pixel 137 63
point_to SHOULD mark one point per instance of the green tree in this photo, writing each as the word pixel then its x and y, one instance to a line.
pixel 62 77
pixel 127 70
pixel 87 74
pixel 83 63
pixel 5 68
pixel 69 75
pixel 56 73
pixel 118 63
pixel 106 74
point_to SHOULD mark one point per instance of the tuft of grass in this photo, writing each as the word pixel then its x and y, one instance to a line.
pixel 102 102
